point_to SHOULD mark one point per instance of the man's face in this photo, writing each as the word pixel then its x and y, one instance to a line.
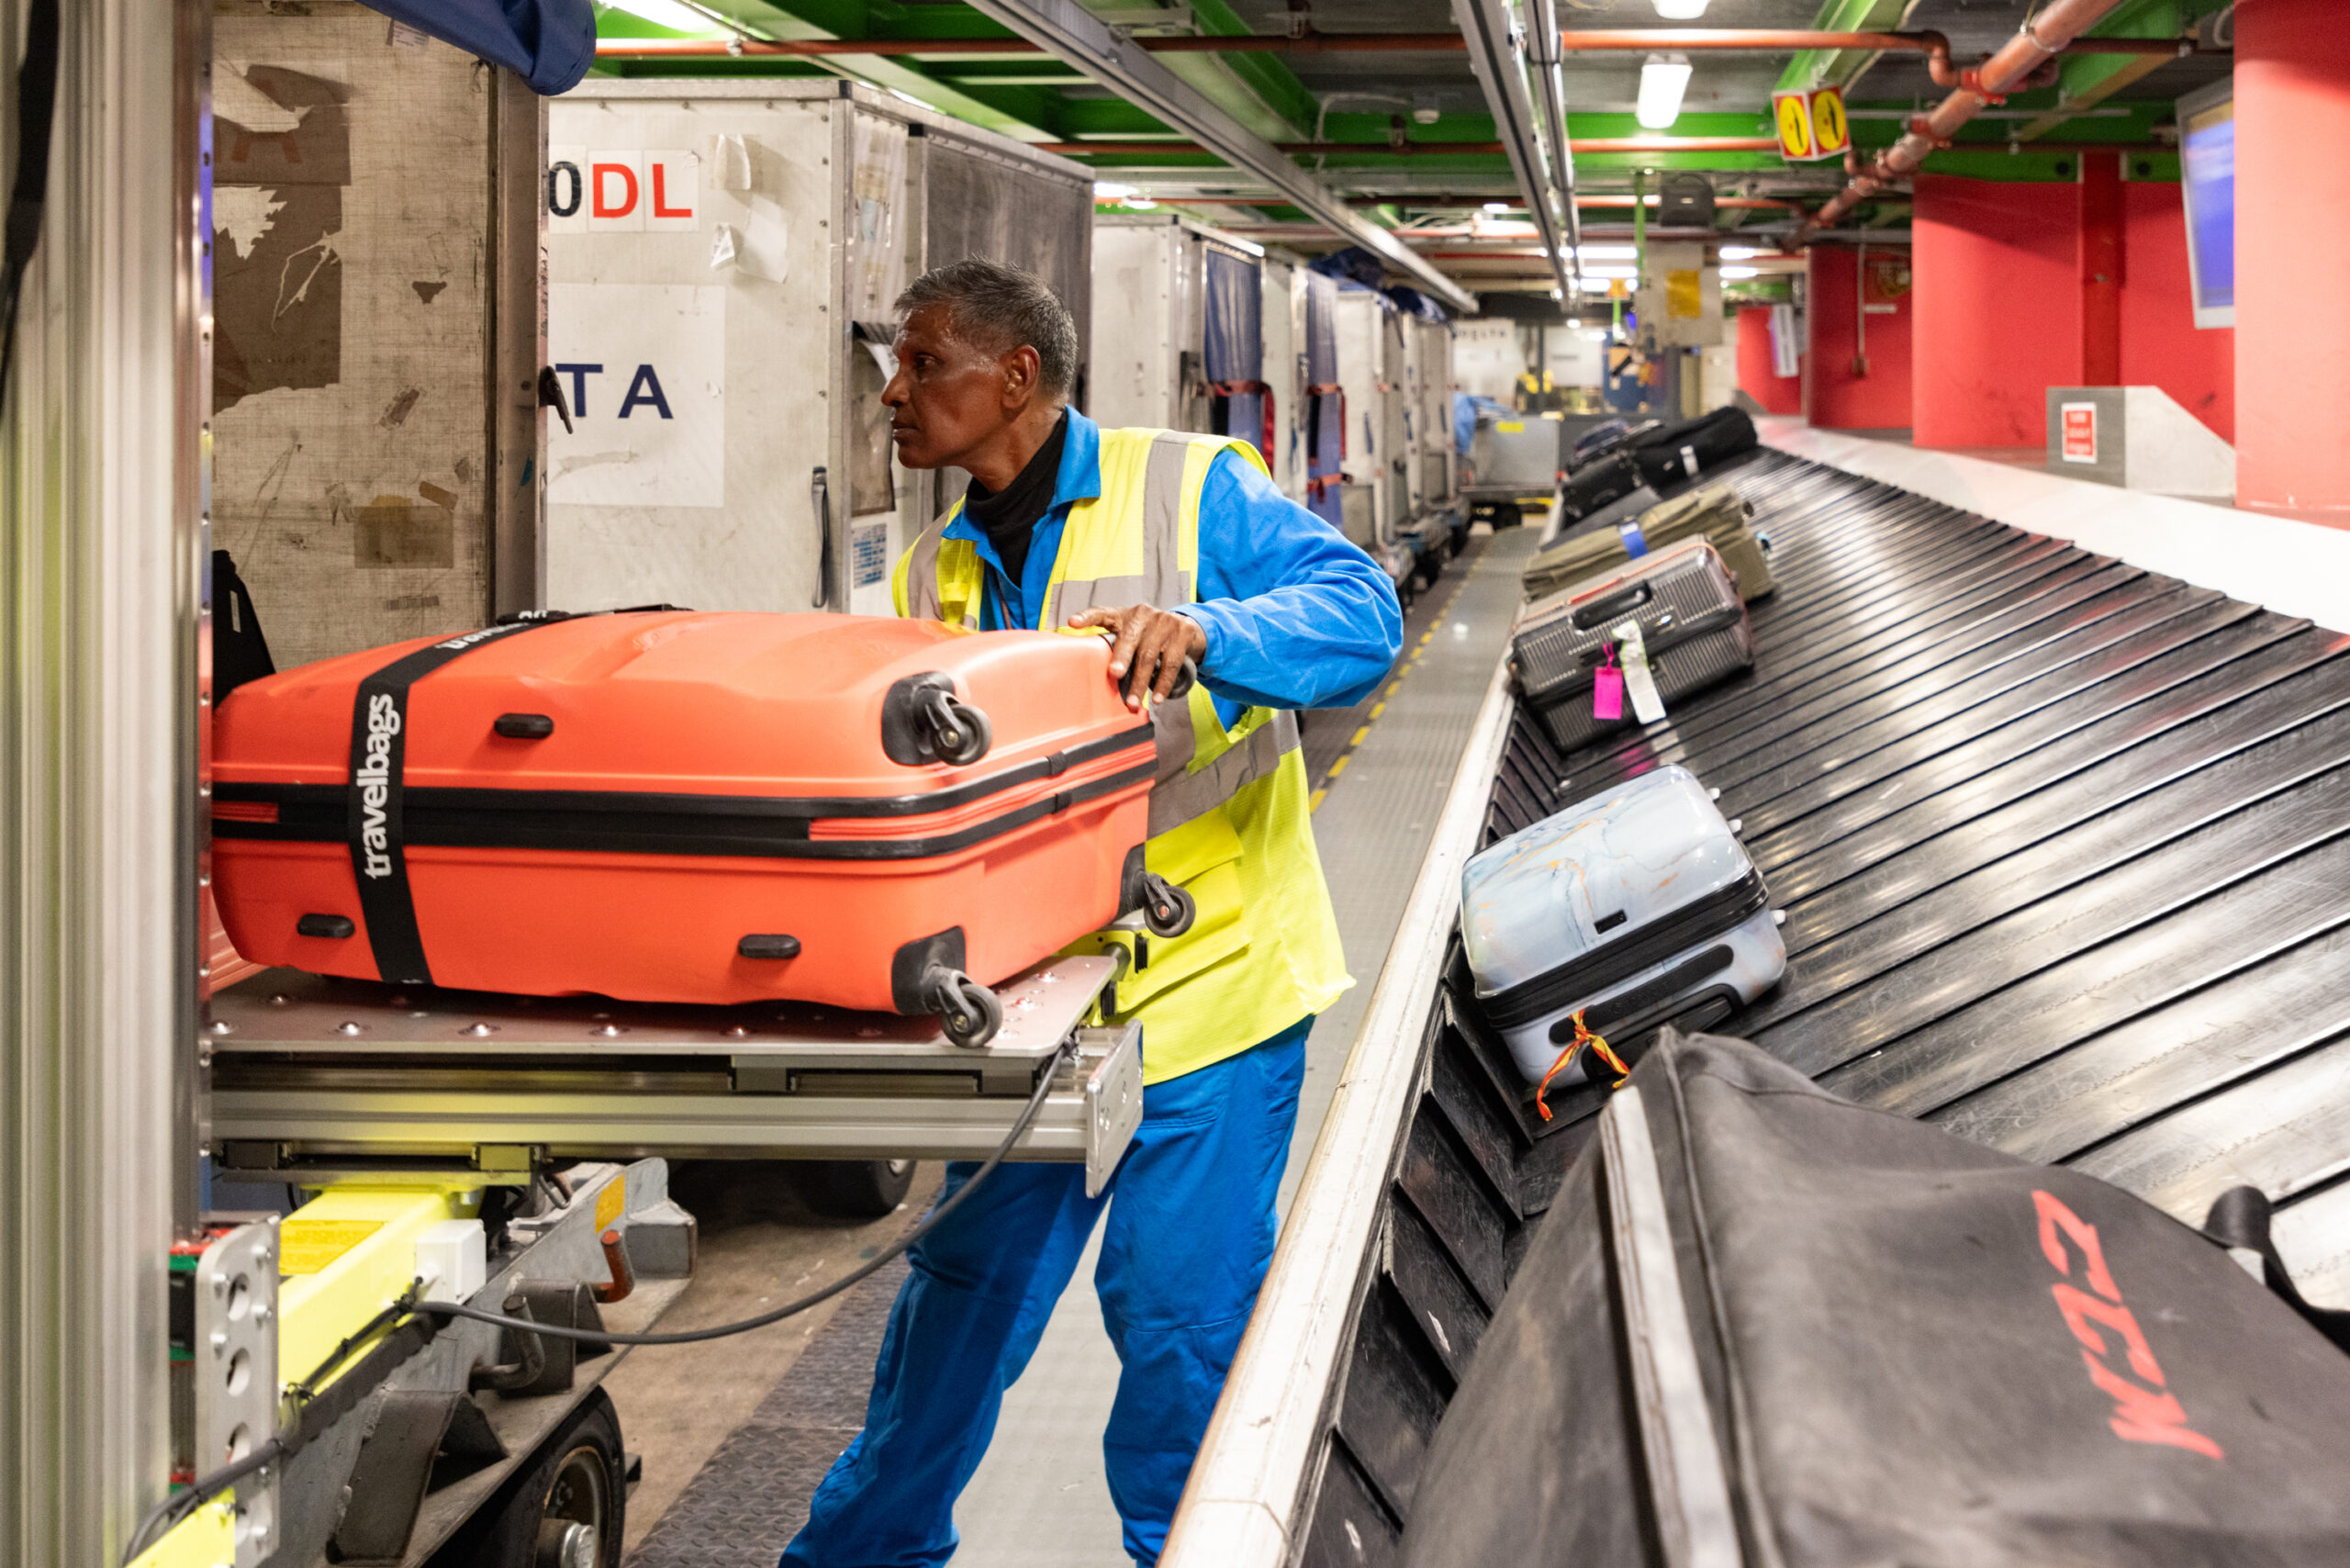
pixel 947 397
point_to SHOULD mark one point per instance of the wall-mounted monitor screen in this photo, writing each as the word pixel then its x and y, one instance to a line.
pixel 2207 145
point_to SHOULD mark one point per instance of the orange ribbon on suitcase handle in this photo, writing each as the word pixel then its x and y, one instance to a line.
pixel 1582 1038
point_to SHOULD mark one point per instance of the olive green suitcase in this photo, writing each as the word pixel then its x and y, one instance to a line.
pixel 1714 512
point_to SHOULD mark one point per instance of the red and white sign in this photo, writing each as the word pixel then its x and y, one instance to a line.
pixel 597 192
pixel 2079 424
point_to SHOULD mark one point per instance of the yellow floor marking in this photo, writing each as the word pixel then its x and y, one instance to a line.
pixel 1341 766
pixel 1359 735
pixel 1313 801
pixel 1377 708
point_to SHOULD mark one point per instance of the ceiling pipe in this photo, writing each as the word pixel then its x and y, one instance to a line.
pixel 2031 52
pixel 1932 45
pixel 1310 148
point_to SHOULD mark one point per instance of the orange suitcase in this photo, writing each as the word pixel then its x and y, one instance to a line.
pixel 679 807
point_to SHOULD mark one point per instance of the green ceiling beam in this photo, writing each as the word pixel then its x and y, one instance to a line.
pixel 1841 67
pixel 1268 75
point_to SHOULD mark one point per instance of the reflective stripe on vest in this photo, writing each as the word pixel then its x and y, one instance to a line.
pixel 1180 796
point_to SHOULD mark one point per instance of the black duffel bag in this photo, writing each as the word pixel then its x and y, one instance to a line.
pixel 1671 453
pixel 1763 1326
pixel 1594 485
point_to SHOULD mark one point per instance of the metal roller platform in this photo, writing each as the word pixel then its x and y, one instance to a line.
pixel 314 1078
pixel 2063 846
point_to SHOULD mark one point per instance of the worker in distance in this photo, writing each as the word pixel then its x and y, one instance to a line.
pixel 1179 546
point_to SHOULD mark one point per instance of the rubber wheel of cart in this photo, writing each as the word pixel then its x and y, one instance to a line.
pixel 1159 894
pixel 564 1506
pixel 854 1189
pixel 965 735
pixel 977 1017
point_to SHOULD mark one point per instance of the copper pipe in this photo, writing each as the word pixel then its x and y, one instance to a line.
pixel 1935 47
pixel 2030 51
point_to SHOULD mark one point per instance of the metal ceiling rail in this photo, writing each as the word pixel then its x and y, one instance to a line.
pixel 1075 35
pixel 1544 168
pixel 1571 42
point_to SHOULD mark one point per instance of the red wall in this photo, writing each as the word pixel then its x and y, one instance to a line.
pixel 2292 313
pixel 1838 399
pixel 2160 346
pixel 1997 306
pixel 1755 377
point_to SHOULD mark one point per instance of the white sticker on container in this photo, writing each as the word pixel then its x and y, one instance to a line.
pixel 644 368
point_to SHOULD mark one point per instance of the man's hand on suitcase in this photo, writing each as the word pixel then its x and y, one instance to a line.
pixel 1152 643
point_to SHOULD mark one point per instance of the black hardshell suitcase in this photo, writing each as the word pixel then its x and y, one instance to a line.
pixel 1594 485
pixel 1609 435
pixel 1671 453
pixel 1762 1326
pixel 1693 626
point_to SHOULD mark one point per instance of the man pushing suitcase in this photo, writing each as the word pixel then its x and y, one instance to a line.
pixel 1179 546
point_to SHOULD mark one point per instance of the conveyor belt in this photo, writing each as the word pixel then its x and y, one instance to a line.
pixel 2065 851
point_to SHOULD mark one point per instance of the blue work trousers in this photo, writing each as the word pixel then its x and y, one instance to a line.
pixel 1189 1234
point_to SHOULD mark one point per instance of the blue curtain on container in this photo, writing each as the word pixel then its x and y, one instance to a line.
pixel 548 43
pixel 1326 412
pixel 1238 396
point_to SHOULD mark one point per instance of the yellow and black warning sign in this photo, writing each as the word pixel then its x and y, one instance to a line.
pixel 1812 124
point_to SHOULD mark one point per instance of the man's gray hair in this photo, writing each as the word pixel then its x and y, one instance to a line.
pixel 997 308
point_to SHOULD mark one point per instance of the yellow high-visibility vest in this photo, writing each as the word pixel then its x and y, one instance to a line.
pixel 1228 818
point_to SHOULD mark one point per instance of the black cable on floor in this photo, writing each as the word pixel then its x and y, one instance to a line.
pixel 887 1255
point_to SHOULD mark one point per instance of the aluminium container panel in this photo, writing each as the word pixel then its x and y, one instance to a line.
pixel 723 261
pixel 357 252
pixel 1284 372
pixel 1361 366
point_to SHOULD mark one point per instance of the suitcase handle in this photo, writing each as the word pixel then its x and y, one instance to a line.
pixel 1600 611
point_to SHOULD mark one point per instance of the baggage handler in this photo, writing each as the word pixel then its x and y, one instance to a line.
pixel 1179 546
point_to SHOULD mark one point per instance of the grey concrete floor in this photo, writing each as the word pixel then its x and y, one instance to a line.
pixel 1039 1499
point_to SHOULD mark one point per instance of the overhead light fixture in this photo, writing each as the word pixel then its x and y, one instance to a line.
pixel 1497 206
pixel 1663 80
pixel 670 14
pixel 1607 253
pixel 1554 293
pixel 1741 272
pixel 1110 190
pixel 1140 204
pixel 1681 10
pixel 1426 107
pixel 1739 252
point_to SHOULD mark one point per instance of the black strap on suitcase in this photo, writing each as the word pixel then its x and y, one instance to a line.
pixel 1761 1325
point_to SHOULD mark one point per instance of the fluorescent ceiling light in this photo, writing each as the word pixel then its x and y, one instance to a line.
pixel 1497 206
pixel 1729 252
pixel 669 14
pixel 1681 10
pixel 1608 271
pixel 1140 204
pixel 1662 81
pixel 1607 253
pixel 1741 272
pixel 1593 284
pixel 1110 190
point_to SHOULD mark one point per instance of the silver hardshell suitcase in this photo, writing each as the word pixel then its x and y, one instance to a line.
pixel 1636 907
pixel 1672 619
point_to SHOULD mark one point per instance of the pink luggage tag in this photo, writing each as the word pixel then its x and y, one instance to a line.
pixel 1607 686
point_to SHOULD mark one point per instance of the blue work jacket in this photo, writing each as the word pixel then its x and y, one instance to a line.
pixel 1295 615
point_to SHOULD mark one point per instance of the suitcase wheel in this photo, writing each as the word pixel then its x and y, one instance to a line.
pixel 922 721
pixel 966 1010
pixel 1167 909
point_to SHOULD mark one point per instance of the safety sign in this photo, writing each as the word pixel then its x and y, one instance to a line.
pixel 643 368
pixel 1812 124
